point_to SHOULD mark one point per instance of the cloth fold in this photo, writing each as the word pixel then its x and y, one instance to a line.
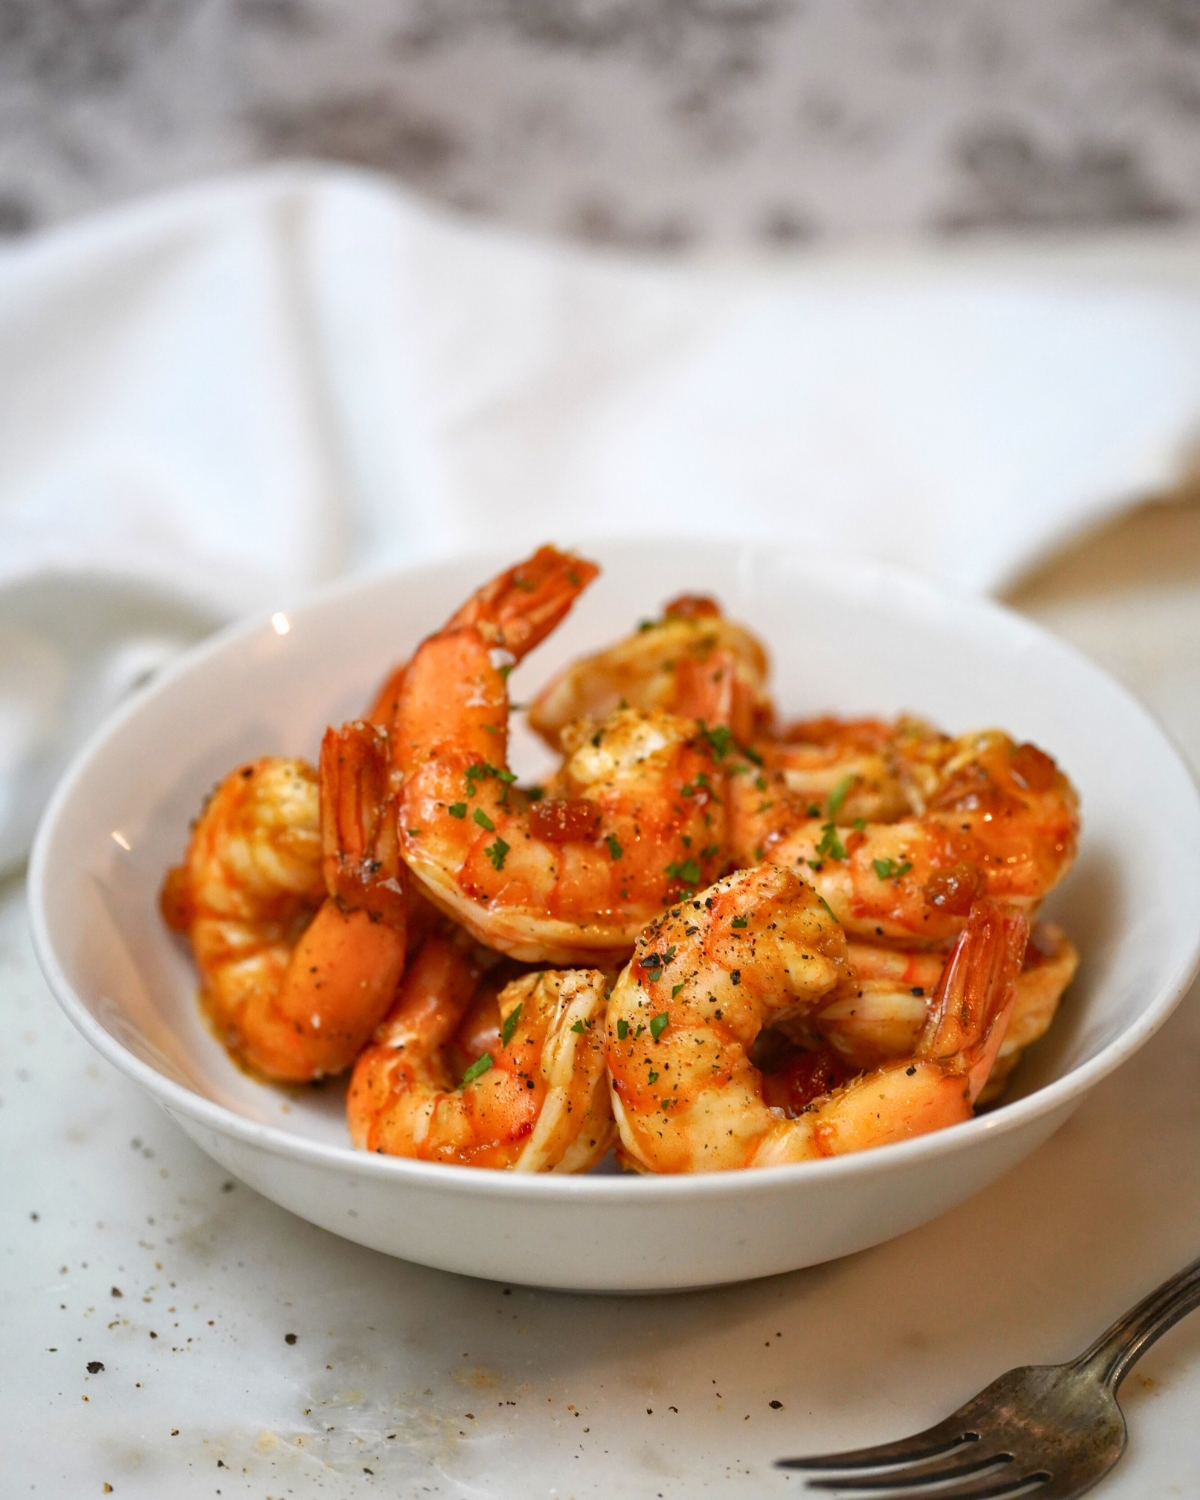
pixel 213 400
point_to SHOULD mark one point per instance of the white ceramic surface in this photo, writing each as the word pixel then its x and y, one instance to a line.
pixel 848 636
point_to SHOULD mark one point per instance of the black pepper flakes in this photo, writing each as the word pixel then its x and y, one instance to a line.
pixel 289 1338
pixel 94 1366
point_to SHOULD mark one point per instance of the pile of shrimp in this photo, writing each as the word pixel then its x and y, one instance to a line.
pixel 710 941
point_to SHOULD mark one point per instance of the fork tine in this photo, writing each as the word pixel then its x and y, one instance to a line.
pixel 934 1441
pixel 982 1487
pixel 958 1463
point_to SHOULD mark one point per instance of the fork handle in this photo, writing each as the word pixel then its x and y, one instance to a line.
pixel 1120 1347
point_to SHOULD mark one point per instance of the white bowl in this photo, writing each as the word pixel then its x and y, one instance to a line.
pixel 846 636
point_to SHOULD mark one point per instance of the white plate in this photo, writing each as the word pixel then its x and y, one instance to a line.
pixel 845 635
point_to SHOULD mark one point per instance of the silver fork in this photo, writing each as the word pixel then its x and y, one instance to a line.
pixel 1046 1431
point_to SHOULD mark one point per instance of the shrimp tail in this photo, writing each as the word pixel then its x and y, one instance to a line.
pixel 514 612
pixel 974 999
pixel 519 608
pixel 360 853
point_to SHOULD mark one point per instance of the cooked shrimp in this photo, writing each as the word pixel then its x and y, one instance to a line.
pixel 634 821
pixel 845 770
pixel 757 948
pixel 990 817
pixel 693 663
pixel 538 1102
pixel 884 1020
pixel 689 1007
pixel 293 897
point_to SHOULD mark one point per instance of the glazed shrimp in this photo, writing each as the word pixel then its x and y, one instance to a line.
pixel 693 663
pixel 990 817
pixel 758 948
pixel 885 1019
pixel 846 770
pixel 635 818
pixel 537 1102
pixel 294 900
pixel 690 1006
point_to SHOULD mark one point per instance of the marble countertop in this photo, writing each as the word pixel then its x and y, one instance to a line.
pixel 654 123
pixel 166 1331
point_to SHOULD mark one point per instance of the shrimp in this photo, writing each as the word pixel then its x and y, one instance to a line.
pixel 294 899
pixel 988 817
pixel 635 818
pixel 760 949
pixel 884 1020
pixel 537 1102
pixel 845 769
pixel 693 663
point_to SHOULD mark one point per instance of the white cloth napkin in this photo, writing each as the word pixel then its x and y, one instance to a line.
pixel 215 399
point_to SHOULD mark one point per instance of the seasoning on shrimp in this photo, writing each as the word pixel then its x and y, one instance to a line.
pixel 691 1098
pixel 937 822
pixel 631 820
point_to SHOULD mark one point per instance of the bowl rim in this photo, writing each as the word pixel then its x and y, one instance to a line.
pixel 1060 1095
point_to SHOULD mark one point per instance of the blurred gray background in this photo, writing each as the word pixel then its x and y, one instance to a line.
pixel 716 124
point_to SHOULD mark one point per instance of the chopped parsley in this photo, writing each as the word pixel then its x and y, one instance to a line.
pixel 830 847
pixel 720 740
pixel 838 795
pixel 457 809
pixel 686 871
pixel 652 1076
pixel 496 852
pixel 709 850
pixel 739 922
pixel 579 1027
pixel 658 1024
pixel 827 907
pixel 614 847
pixel 484 821
pixel 477 1069
pixel 510 1023
pixel 482 769
pixel 888 869
pixel 814 810
pixel 760 783
pixel 675 988
pixel 622 1030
